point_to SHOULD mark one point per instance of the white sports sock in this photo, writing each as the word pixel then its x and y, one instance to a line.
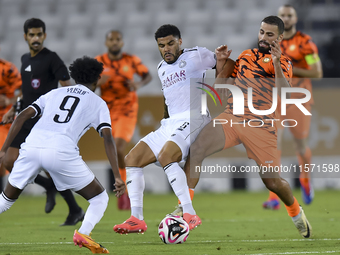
pixel 297 217
pixel 178 182
pixel 135 184
pixel 5 203
pixel 94 212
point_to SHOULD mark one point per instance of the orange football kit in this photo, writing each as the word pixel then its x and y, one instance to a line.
pixel 122 103
pixel 302 52
pixel 256 132
pixel 10 80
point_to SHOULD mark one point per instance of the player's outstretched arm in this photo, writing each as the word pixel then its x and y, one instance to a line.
pixel 314 71
pixel 26 114
pixel 111 152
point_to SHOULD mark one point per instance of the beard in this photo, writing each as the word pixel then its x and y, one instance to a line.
pixel 176 55
pixel 288 28
pixel 115 52
pixel 263 49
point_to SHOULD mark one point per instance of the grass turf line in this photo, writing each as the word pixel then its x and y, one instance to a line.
pixel 233 223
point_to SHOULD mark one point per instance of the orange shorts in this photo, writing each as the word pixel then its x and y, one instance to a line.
pixel 301 130
pixel 260 145
pixel 123 121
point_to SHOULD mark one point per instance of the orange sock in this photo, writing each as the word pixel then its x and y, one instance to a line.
pixel 192 192
pixel 305 159
pixel 273 196
pixel 122 172
pixel 293 209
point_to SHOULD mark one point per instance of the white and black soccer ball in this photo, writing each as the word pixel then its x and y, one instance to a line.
pixel 173 230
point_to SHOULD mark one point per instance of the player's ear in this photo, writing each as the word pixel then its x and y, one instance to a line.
pixel 280 38
pixel 25 37
pixel 180 41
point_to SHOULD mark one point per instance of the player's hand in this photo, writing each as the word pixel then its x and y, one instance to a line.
pixel 275 51
pixel 4 101
pixel 119 187
pixel 222 53
pixel 133 86
pixel 9 116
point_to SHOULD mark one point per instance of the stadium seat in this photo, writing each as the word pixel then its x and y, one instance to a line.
pixel 36 8
pixel 98 7
pixel 88 47
pixel 65 7
pixel 10 7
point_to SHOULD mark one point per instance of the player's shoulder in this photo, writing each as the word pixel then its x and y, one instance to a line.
pixel 193 49
pixel 248 53
pixel 160 64
pixel 302 36
pixel 49 54
pixel 285 58
pixel 5 63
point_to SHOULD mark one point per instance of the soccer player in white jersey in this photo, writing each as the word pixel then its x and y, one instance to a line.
pixel 66 114
pixel 170 144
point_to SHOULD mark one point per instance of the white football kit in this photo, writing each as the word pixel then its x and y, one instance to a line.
pixel 67 113
pixel 183 100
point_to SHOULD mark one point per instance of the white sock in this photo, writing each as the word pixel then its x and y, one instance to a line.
pixel 94 212
pixel 135 184
pixel 295 218
pixel 178 182
pixel 5 203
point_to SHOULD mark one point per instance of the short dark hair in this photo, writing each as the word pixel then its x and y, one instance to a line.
pixel 288 6
pixel 167 30
pixel 34 23
pixel 86 70
pixel 113 31
pixel 275 20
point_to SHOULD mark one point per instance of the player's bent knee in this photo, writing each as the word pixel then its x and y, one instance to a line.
pixel 102 198
pixel 130 160
pixel 166 157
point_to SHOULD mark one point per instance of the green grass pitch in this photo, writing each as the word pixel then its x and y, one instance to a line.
pixel 233 223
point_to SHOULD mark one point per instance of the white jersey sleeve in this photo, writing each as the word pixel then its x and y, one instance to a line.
pixel 102 119
pixel 208 58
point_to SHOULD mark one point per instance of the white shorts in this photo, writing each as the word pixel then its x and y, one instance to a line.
pixel 183 132
pixel 67 169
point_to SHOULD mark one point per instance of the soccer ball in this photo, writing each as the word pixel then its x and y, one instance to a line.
pixel 173 230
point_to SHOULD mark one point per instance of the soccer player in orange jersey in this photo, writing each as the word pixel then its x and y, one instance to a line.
pixel 118 89
pixel 306 64
pixel 10 81
pixel 228 129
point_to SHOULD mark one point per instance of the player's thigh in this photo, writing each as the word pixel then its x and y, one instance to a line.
pixel 298 118
pixel 261 146
pixel 25 168
pixel 140 155
pixel 67 169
